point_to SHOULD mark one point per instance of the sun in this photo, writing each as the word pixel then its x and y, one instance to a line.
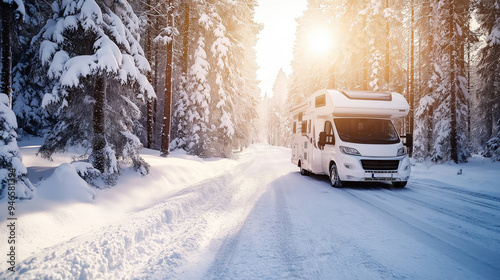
pixel 320 41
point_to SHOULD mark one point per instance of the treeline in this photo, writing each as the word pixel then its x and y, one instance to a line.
pixel 102 75
pixel 443 55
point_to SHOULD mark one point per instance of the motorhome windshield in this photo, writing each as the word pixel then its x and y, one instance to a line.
pixel 367 131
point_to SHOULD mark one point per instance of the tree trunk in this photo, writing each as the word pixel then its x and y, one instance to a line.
pixel 155 81
pixel 453 88
pixel 99 118
pixel 185 47
pixel 6 51
pixel 387 51
pixel 468 67
pixel 364 85
pixel 165 136
pixel 150 123
pixel 411 93
pixel 430 115
pixel 149 105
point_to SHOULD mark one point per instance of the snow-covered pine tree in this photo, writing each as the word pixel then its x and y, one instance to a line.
pixel 13 173
pixel 279 115
pixel 215 102
pixel 241 82
pixel 222 107
pixel 423 100
pixel 91 50
pixel 198 112
pixel 198 89
pixel 152 13
pixel 382 31
pixel 492 147
pixel 28 90
pixel 181 99
pixel 488 93
pixel 448 97
pixel 375 29
pixel 29 87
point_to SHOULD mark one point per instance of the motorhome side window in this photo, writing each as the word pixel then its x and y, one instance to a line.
pixel 320 101
pixel 330 138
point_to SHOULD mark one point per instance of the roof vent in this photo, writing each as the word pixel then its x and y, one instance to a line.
pixel 368 95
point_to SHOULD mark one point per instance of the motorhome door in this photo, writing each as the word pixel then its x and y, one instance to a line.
pixel 326 144
pixel 307 145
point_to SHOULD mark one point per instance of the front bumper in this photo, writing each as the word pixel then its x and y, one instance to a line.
pixel 350 168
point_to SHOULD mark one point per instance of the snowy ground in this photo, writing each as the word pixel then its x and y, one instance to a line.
pixel 255 217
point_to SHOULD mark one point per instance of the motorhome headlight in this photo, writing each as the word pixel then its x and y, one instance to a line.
pixel 349 151
pixel 402 151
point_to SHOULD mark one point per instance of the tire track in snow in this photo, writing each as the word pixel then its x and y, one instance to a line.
pixel 227 209
pixel 462 212
pixel 324 250
pixel 479 199
pixel 184 235
pixel 292 258
pixel 224 258
pixel 253 181
pixel 481 261
pixel 225 255
pixel 270 222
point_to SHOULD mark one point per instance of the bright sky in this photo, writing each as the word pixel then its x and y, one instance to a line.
pixel 275 45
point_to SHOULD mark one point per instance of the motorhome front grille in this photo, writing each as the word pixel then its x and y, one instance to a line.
pixel 369 164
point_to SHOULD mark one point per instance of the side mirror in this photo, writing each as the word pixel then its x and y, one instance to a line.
pixel 322 139
pixel 408 140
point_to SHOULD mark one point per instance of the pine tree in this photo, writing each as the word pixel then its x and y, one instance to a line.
pixel 423 115
pixel 222 106
pixel 13 173
pixel 278 114
pixel 28 91
pixel 447 100
pixel 92 52
pixel 180 123
pixel 198 110
pixel 215 101
pixel 243 87
pixel 488 93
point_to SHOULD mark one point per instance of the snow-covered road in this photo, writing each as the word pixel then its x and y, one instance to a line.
pixel 262 220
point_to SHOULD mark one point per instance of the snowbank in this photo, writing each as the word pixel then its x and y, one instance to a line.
pixel 478 174
pixel 66 185
pixel 65 206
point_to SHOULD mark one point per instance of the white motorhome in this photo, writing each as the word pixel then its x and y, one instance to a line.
pixel 349 136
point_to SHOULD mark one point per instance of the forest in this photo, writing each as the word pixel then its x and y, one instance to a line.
pixel 113 76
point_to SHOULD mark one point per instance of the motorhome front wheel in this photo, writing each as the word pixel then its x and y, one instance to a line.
pixel 334 177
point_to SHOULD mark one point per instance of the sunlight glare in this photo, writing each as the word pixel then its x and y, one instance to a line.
pixel 320 41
